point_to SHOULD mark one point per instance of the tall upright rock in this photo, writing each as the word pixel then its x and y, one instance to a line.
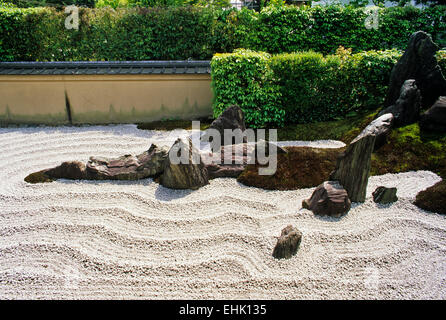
pixel 418 62
pixel 353 166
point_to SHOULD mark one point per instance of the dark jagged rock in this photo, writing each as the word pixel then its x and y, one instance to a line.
pixel 190 173
pixel 288 243
pixel 406 109
pixel 128 167
pixel 418 62
pixel 232 118
pixel 384 195
pixel 381 128
pixel 434 119
pixel 353 166
pixel 329 198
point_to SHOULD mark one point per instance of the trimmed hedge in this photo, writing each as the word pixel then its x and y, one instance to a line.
pixel 245 78
pixel 194 32
pixel 300 87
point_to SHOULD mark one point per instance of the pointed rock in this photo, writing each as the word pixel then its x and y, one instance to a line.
pixel 353 166
pixel 184 168
pixel 232 118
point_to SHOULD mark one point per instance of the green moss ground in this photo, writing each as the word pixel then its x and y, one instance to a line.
pixel 409 149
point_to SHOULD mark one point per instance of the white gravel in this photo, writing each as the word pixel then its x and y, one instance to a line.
pixel 72 239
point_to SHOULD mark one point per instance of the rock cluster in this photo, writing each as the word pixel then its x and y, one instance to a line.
pixel 288 243
pixel 147 164
pixel 353 166
pixel 419 63
pixel 330 199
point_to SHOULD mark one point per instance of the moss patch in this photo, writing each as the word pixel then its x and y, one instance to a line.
pixel 301 167
pixel 433 199
pixel 409 149
pixel 329 130
pixel 38 177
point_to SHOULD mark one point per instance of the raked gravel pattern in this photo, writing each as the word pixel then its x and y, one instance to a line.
pixel 137 239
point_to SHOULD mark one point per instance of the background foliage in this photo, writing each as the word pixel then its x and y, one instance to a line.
pixel 302 87
pixel 182 32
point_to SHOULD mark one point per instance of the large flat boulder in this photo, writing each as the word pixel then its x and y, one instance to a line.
pixel 184 168
pixel 419 63
pixel 434 119
pixel 128 167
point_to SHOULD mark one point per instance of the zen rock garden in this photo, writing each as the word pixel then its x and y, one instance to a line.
pixel 416 84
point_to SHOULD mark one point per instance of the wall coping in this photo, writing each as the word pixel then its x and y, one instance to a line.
pixel 105 67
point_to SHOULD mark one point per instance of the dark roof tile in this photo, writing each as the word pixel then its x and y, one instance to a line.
pixel 106 67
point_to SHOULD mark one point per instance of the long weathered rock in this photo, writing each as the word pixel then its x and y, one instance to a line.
pixel 187 171
pixel 128 167
pixel 73 170
pixel 148 164
pixel 434 119
pixel 418 62
pixel 406 109
pixel 330 199
pixel 353 166
pixel 288 243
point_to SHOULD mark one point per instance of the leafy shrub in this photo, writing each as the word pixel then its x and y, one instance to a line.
pixel 244 78
pixel 441 58
pixel 182 32
pixel 304 87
